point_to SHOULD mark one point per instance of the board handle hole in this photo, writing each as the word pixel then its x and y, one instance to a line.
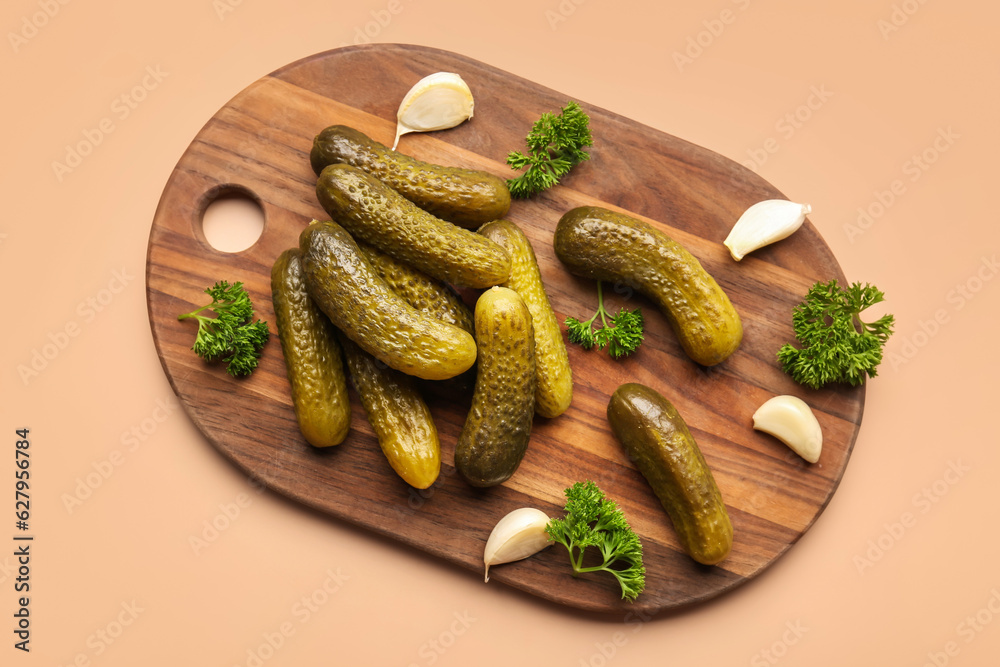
pixel 232 219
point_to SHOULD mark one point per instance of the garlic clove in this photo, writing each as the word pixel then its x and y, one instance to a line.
pixel 516 536
pixel 436 102
pixel 790 420
pixel 764 223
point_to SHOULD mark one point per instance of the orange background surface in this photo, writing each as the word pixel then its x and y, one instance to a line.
pixel 901 568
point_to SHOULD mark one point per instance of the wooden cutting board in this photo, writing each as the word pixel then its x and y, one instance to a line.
pixel 259 144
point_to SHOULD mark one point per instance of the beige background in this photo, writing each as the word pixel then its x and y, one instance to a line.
pixel 896 571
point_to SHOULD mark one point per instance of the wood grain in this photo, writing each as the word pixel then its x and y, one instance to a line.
pixel 259 143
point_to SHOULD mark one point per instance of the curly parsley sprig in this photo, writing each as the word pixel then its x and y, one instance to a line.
pixel 620 333
pixel 556 144
pixel 837 345
pixel 592 520
pixel 230 336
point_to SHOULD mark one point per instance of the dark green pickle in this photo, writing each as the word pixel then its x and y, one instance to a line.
pixel 312 356
pixel 494 438
pixel 358 302
pixel 376 214
pixel 594 242
pixel 465 197
pixel 660 444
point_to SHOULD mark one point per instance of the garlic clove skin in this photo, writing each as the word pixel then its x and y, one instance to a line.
pixel 436 102
pixel 790 420
pixel 764 223
pixel 516 536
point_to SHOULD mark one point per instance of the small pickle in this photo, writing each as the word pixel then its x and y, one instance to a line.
pixel 375 213
pixel 554 390
pixel 312 356
pixel 595 242
pixel 659 443
pixel 346 287
pixel 495 436
pixel 398 415
pixel 465 197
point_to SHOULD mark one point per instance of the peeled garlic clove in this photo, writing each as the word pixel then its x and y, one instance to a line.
pixel 764 223
pixel 790 420
pixel 436 102
pixel 518 535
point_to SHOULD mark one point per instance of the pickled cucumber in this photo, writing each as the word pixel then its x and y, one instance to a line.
pixel 659 443
pixel 376 214
pixel 465 197
pixel 345 287
pixel 312 356
pixel 554 390
pixel 595 242
pixel 495 435
pixel 398 415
